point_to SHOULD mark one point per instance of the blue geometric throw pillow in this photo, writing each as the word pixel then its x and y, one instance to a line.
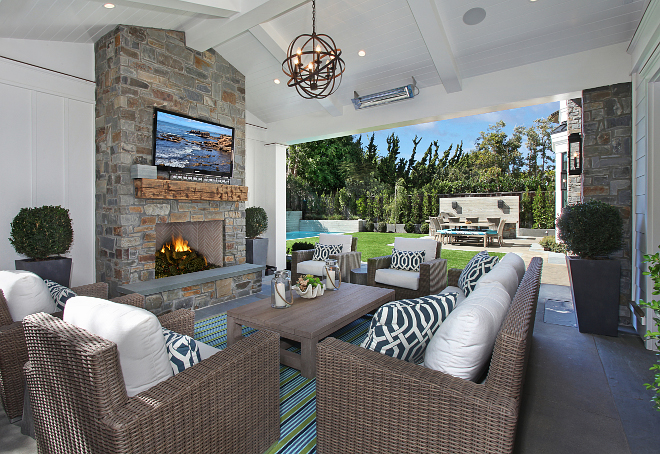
pixel 182 350
pixel 407 260
pixel 402 329
pixel 60 293
pixel 479 265
pixel 323 251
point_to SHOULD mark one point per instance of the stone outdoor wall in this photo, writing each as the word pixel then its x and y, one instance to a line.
pixel 607 162
pixel 574 124
pixel 136 70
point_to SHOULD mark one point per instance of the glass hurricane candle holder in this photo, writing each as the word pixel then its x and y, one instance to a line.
pixel 280 290
pixel 332 275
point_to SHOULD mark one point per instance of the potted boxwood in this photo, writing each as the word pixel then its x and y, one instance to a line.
pixel 592 231
pixel 43 234
pixel 256 223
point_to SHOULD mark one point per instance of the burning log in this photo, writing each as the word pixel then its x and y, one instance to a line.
pixel 177 258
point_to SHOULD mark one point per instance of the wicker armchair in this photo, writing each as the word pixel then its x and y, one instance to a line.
pixel 13 353
pixel 227 403
pixel 367 402
pixel 346 261
pixel 432 276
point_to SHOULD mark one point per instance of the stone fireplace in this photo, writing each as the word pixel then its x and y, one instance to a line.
pixel 138 69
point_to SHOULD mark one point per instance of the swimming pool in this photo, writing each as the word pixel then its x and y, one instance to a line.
pixel 304 234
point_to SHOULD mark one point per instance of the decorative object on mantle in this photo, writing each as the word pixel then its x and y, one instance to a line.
pixel 198 178
pixel 185 190
pixel 313 64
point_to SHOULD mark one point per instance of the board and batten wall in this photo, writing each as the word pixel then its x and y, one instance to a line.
pixel 645 51
pixel 47 154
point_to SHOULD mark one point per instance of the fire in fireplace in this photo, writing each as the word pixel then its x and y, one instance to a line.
pixel 176 258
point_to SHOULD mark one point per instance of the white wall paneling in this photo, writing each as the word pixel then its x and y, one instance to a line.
pixel 47 125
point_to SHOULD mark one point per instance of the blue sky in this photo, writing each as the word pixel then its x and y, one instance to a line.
pixel 466 129
pixel 193 124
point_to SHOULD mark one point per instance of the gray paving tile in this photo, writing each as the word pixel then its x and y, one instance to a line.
pixel 11 439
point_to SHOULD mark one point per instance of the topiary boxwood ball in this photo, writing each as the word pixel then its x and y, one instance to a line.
pixel 592 229
pixel 41 232
pixel 256 222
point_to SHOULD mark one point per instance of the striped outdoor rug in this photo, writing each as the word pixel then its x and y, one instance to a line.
pixel 297 394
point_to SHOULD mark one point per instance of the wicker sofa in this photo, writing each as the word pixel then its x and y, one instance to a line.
pixel 371 403
pixel 13 353
pixel 346 260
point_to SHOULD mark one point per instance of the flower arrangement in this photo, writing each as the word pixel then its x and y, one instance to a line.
pixel 309 286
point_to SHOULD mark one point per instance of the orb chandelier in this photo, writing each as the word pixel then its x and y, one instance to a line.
pixel 313 64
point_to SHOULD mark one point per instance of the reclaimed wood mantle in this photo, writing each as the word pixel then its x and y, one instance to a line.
pixel 188 190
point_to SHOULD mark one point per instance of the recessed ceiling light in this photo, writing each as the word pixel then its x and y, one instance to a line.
pixel 474 16
pixel 532 0
pixel 362 53
pixel 277 81
pixel 109 5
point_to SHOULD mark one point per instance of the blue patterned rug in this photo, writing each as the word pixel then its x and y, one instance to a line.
pixel 297 394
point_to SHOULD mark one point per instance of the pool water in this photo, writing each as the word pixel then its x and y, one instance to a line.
pixel 304 234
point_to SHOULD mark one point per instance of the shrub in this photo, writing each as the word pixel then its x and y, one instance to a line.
pixel 256 222
pixel 409 227
pixel 41 232
pixel 300 246
pixel 336 217
pixel 654 271
pixel 424 228
pixel 591 229
pixel 382 227
pixel 369 226
pixel 550 244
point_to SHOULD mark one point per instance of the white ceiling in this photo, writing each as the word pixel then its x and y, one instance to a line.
pixel 426 39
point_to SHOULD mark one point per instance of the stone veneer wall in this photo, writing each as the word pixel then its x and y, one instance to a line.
pixel 607 162
pixel 574 124
pixel 136 70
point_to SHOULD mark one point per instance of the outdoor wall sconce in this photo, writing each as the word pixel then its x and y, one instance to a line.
pixel 575 154
pixel 454 205
pixel 500 204
pixel 563 180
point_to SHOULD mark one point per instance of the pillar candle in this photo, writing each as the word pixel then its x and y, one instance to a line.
pixel 331 278
pixel 279 300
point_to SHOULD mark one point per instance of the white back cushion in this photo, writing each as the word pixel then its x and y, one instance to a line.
pixel 518 264
pixel 137 333
pixel 427 245
pixel 26 293
pixel 463 344
pixel 505 275
pixel 451 289
pixel 344 240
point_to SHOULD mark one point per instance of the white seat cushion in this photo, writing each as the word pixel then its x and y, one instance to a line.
pixel 205 350
pixel 463 344
pixel 451 289
pixel 398 278
pixel 137 333
pixel 518 264
pixel 505 275
pixel 314 267
pixel 344 240
pixel 428 245
pixel 26 293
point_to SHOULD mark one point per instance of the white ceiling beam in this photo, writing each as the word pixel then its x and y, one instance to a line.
pixel 214 32
pixel 276 45
pixel 433 32
pixel 218 8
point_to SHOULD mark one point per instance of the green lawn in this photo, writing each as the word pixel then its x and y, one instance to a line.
pixel 373 244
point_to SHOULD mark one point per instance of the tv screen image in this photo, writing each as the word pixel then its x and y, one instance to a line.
pixel 189 145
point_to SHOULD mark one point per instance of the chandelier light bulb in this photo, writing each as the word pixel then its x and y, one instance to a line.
pixel 318 48
pixel 299 52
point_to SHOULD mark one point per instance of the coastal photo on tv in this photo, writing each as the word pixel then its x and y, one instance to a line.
pixel 192 145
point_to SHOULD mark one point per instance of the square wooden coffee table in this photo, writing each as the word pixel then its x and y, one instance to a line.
pixel 307 321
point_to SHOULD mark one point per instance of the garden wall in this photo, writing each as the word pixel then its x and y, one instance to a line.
pixel 329 226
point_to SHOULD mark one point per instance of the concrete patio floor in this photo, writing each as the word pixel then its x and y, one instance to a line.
pixel 583 393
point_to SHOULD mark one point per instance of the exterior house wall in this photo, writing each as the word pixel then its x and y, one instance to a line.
pixel 607 163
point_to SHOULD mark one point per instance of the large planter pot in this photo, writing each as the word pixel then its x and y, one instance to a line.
pixel 56 269
pixel 256 250
pixel 595 289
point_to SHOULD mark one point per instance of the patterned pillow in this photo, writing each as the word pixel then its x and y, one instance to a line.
pixel 402 329
pixel 407 260
pixel 182 350
pixel 60 293
pixel 324 251
pixel 479 265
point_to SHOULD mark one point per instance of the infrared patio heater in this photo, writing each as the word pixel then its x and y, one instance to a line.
pixel 385 97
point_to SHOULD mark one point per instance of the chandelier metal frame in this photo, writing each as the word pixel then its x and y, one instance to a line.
pixel 313 64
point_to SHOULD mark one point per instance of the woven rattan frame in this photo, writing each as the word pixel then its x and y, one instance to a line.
pixel 13 353
pixel 228 403
pixel 346 261
pixel 367 402
pixel 432 276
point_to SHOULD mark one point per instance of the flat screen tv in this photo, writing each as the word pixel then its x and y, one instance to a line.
pixel 185 144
